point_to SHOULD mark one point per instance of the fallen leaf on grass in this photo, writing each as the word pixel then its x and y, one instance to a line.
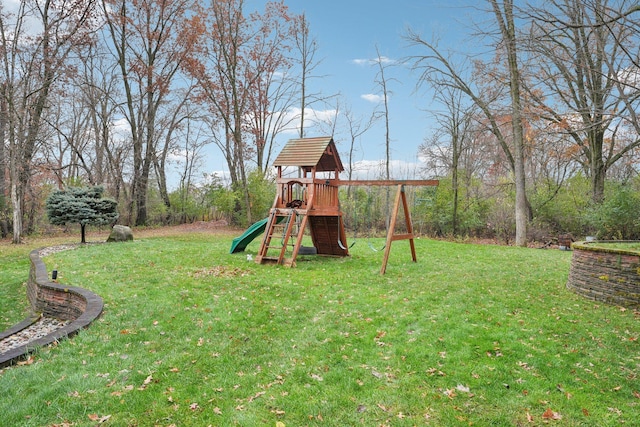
pixel 450 393
pixel 98 418
pixel 217 411
pixel 462 388
pixel 376 374
pixel 146 382
pixel 529 417
pixel 434 371
pixel 255 396
pixel 551 415
pixel 29 361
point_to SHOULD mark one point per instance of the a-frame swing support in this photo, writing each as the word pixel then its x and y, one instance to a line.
pixel 391 236
pixel 401 198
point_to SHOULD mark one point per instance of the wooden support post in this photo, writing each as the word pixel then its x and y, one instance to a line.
pixel 391 236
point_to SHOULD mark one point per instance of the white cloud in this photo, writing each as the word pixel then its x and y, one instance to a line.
pixel 372 61
pixel 629 77
pixel 372 97
pixel 121 130
pixel 361 61
pixel 311 118
pixel 384 60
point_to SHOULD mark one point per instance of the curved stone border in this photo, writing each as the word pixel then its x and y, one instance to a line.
pixel 53 300
pixel 609 275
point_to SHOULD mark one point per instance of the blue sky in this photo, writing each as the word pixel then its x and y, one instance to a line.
pixel 348 32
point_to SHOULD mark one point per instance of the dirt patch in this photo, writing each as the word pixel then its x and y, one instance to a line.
pixel 220 271
pixel 213 227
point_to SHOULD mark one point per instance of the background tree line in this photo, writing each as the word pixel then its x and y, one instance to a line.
pixel 538 135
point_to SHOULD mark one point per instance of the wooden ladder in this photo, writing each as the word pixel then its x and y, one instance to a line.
pixel 282 222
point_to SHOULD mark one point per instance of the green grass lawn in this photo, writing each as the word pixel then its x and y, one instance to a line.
pixel 194 336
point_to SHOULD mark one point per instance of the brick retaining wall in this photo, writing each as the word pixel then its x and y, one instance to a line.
pixel 605 274
pixel 53 300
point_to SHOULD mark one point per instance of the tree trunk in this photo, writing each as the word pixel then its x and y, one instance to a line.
pixel 3 163
pixel 454 185
pixel 507 28
pixel 16 201
pixel 598 170
pixel 141 195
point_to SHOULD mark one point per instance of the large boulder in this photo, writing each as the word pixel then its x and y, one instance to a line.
pixel 120 233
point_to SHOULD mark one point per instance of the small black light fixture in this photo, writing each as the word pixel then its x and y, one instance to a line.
pixel 54 274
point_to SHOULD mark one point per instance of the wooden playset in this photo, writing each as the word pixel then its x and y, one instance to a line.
pixel 311 199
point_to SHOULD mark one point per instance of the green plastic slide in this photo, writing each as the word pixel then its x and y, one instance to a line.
pixel 240 243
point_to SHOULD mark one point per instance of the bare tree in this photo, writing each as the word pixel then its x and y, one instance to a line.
pixel 101 96
pixel 32 61
pixel 235 60
pixel 456 128
pixel 585 75
pixel 194 138
pixel 437 69
pixel 4 209
pixel 275 96
pixel 383 83
pixel 356 127
pixel 146 38
pixel 306 47
pixel 504 18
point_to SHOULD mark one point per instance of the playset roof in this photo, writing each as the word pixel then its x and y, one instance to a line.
pixel 307 153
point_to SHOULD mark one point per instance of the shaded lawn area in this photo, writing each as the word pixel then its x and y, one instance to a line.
pixel 14 306
pixel 193 336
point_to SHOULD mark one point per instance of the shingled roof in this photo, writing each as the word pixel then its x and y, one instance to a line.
pixel 307 153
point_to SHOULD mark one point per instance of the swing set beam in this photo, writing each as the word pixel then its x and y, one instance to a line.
pixel 386 182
